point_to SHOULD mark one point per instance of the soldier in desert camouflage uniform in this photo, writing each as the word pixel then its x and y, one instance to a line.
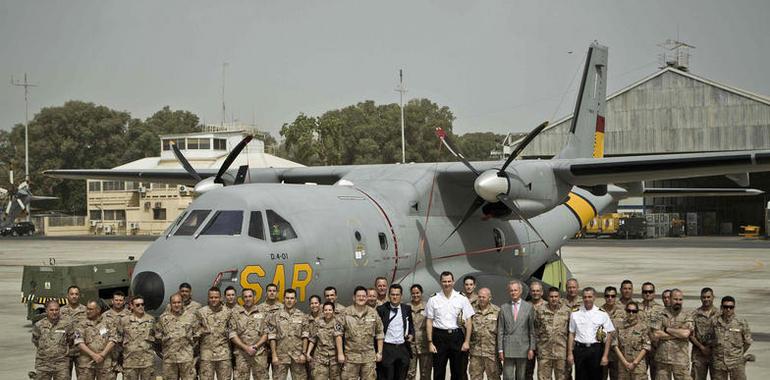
pixel 701 338
pixel 552 331
pixel 72 314
pixel 631 344
pixel 537 301
pixel 52 337
pixel 330 295
pixel 95 338
pixel 732 338
pixel 177 335
pixel 212 322
pixel 114 314
pixel 136 332
pixel 673 330
pixel 650 312
pixel 483 352
pixel 617 316
pixel 420 354
pixel 325 345
pixel 248 332
pixel 361 326
pixel 289 330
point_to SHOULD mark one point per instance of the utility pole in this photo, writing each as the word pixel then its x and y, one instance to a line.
pixel 26 86
pixel 224 109
pixel 402 90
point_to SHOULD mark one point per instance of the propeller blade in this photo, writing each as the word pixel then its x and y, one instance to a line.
pixel 477 203
pixel 523 144
pixel 442 135
pixel 8 208
pixel 185 164
pixel 21 204
pixel 231 157
pixel 511 205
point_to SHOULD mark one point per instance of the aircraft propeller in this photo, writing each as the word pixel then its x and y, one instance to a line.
pixel 207 184
pixel 493 185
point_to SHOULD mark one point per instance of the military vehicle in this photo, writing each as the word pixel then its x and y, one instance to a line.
pixel 41 283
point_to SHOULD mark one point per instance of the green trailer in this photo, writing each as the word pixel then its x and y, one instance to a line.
pixel 41 283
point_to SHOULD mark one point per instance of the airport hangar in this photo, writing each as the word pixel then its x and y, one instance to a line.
pixel 676 111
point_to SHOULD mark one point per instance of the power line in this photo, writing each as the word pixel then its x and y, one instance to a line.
pixel 26 86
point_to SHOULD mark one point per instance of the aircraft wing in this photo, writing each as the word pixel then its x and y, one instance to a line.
pixel 676 192
pixel 591 172
pixel 172 176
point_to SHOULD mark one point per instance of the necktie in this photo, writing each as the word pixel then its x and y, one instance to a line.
pixel 515 311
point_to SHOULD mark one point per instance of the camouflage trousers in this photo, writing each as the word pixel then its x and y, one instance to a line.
pixel 56 374
pixel 177 371
pixel 736 372
pixel 638 373
pixel 331 371
pixel 551 368
pixel 353 371
pixel 667 371
pixel 96 373
pixel 222 368
pixel 478 365
pixel 281 371
pixel 611 370
pixel 701 366
pixel 425 362
pixel 147 373
pixel 250 366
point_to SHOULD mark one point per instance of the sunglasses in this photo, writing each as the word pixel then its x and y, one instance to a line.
pixel 728 306
pixel 648 291
pixel 610 295
pixel 139 304
pixel 633 311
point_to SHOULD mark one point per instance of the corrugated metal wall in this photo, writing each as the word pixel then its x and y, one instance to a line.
pixel 672 113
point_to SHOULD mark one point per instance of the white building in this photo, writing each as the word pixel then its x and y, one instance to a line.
pixel 125 207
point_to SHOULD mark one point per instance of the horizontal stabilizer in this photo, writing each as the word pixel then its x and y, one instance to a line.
pixel 675 192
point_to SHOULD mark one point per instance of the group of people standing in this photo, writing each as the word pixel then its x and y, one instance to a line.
pixel 381 337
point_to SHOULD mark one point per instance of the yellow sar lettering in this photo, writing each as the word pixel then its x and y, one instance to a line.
pixel 253 277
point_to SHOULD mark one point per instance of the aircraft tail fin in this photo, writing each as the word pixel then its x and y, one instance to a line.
pixel 586 133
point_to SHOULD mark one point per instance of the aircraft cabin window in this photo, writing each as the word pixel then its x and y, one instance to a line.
pixel 227 223
pixel 383 241
pixel 256 225
pixel 191 224
pixel 280 229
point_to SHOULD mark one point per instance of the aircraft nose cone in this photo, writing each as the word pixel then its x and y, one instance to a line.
pixel 150 286
pixel 488 185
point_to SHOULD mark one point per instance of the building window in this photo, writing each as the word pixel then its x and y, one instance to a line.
pixel 130 185
pixel 114 185
pixel 114 214
pixel 199 143
pixel 158 186
pixel 94 185
pixel 167 143
pixel 95 214
pixel 220 144
pixel 227 223
pixel 159 214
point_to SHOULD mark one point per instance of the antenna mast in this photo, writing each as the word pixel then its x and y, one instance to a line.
pixel 224 109
pixel 402 90
pixel 26 86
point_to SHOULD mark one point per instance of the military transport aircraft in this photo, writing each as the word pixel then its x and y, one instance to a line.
pixel 310 227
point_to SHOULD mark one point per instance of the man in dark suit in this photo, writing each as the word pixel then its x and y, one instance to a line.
pixel 516 341
pixel 399 332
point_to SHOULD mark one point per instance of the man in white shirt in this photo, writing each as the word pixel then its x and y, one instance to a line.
pixel 590 336
pixel 442 311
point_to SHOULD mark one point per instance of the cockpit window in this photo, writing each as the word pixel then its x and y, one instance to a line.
pixel 191 224
pixel 227 223
pixel 280 229
pixel 256 225
pixel 176 223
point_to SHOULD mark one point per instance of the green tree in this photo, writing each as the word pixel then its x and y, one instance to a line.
pixel 142 137
pixel 476 146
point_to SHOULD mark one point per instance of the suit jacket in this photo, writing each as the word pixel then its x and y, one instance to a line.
pixel 406 318
pixel 516 338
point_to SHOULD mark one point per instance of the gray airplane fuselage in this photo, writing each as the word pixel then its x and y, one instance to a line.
pixel 387 220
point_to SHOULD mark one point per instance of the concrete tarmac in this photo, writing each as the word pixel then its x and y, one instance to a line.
pixel 730 266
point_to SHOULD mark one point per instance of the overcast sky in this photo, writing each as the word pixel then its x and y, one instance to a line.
pixel 499 65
